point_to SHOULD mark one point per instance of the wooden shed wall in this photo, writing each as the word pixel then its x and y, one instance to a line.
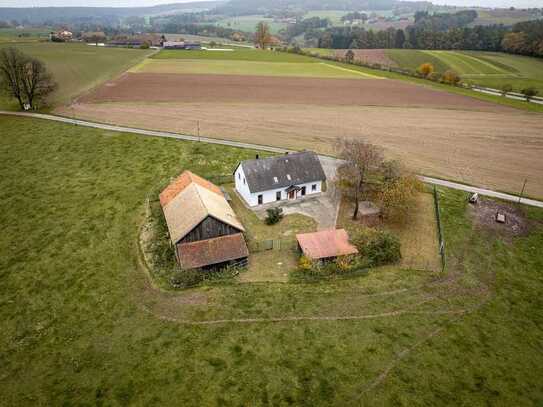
pixel 207 229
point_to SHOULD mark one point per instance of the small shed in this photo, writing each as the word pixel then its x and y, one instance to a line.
pixel 325 244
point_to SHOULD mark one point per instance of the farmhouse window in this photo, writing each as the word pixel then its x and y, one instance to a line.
pixel 314 187
pixel 243 181
pixel 260 199
pixel 239 175
pixel 278 196
pixel 303 191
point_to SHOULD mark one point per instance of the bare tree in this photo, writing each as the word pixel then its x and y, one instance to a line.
pixel 359 159
pixel 24 78
pixel 262 35
pixel 11 73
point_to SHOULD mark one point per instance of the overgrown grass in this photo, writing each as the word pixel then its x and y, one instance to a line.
pixel 82 326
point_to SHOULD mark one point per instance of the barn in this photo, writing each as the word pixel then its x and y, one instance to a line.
pixel 284 177
pixel 204 229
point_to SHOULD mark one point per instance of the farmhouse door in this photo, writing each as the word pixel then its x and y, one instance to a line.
pixel 291 194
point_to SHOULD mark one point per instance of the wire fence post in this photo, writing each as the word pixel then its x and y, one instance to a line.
pixel 439 230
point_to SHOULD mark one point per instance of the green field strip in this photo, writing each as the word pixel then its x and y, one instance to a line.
pixel 455 62
pixel 353 71
pixel 486 63
pixel 219 67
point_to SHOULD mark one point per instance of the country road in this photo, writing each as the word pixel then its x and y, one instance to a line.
pixel 153 133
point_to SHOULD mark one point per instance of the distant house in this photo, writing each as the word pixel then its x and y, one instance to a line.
pixel 61 36
pixel 203 227
pixel 325 244
pixel 284 177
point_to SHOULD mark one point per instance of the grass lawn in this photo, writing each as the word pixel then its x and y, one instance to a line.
pixel 81 325
pixel 233 67
pixel 79 67
pixel 491 69
pixel 236 55
pixel 24 35
pixel 333 15
pixel 418 235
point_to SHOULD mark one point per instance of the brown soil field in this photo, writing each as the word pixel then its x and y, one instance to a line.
pixel 134 87
pixel 369 56
pixel 494 149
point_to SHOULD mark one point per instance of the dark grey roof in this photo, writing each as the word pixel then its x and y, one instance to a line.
pixel 290 169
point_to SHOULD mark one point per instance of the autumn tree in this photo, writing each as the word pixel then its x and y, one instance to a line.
pixel 262 35
pixel 425 69
pixel 359 159
pixel 398 197
pixel 24 78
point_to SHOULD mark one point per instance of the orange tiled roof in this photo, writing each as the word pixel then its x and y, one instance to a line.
pixel 326 243
pixel 212 251
pixel 183 181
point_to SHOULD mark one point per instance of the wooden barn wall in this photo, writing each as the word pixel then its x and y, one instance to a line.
pixel 207 229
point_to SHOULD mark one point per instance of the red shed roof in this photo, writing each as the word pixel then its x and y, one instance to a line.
pixel 212 251
pixel 326 243
pixel 183 181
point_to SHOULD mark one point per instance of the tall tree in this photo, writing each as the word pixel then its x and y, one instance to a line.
pixel 262 35
pixel 359 159
pixel 24 78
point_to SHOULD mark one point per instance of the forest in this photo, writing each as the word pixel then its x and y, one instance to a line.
pixel 442 32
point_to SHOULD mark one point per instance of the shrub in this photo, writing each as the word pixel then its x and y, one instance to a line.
pixel 398 197
pixel 506 88
pixel 379 247
pixel 450 77
pixel 305 263
pixel 425 69
pixel 529 92
pixel 344 264
pixel 274 215
pixel 187 278
pixel 145 45
pixel 434 76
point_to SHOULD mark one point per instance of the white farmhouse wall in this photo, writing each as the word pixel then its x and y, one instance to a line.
pixel 271 195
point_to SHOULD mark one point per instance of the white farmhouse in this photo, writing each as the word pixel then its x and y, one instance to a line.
pixel 285 177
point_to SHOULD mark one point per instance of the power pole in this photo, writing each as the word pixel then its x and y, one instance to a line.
pixel 522 191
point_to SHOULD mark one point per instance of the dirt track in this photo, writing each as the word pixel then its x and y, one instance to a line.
pixel 257 89
pixel 490 149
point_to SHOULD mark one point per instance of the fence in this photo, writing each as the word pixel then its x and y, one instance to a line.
pixel 256 246
pixel 439 229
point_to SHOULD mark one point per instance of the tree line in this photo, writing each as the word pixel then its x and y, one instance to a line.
pixel 524 38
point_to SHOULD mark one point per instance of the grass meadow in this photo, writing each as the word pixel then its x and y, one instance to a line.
pixel 82 325
pixel 254 55
pixel 77 67
pixel 234 67
pixel 248 23
pixel 491 69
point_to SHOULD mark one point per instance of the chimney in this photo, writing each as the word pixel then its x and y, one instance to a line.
pixel 257 156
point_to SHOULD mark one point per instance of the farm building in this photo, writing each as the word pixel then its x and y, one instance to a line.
pixel 181 45
pixel 285 177
pixel 325 244
pixel 203 227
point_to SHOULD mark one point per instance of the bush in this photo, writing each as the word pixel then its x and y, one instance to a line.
pixel 529 92
pixel 506 88
pixel 425 69
pixel 379 247
pixel 305 263
pixel 450 77
pixel 274 215
pixel 145 45
pixel 187 278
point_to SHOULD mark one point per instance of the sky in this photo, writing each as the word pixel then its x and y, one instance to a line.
pixel 138 3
